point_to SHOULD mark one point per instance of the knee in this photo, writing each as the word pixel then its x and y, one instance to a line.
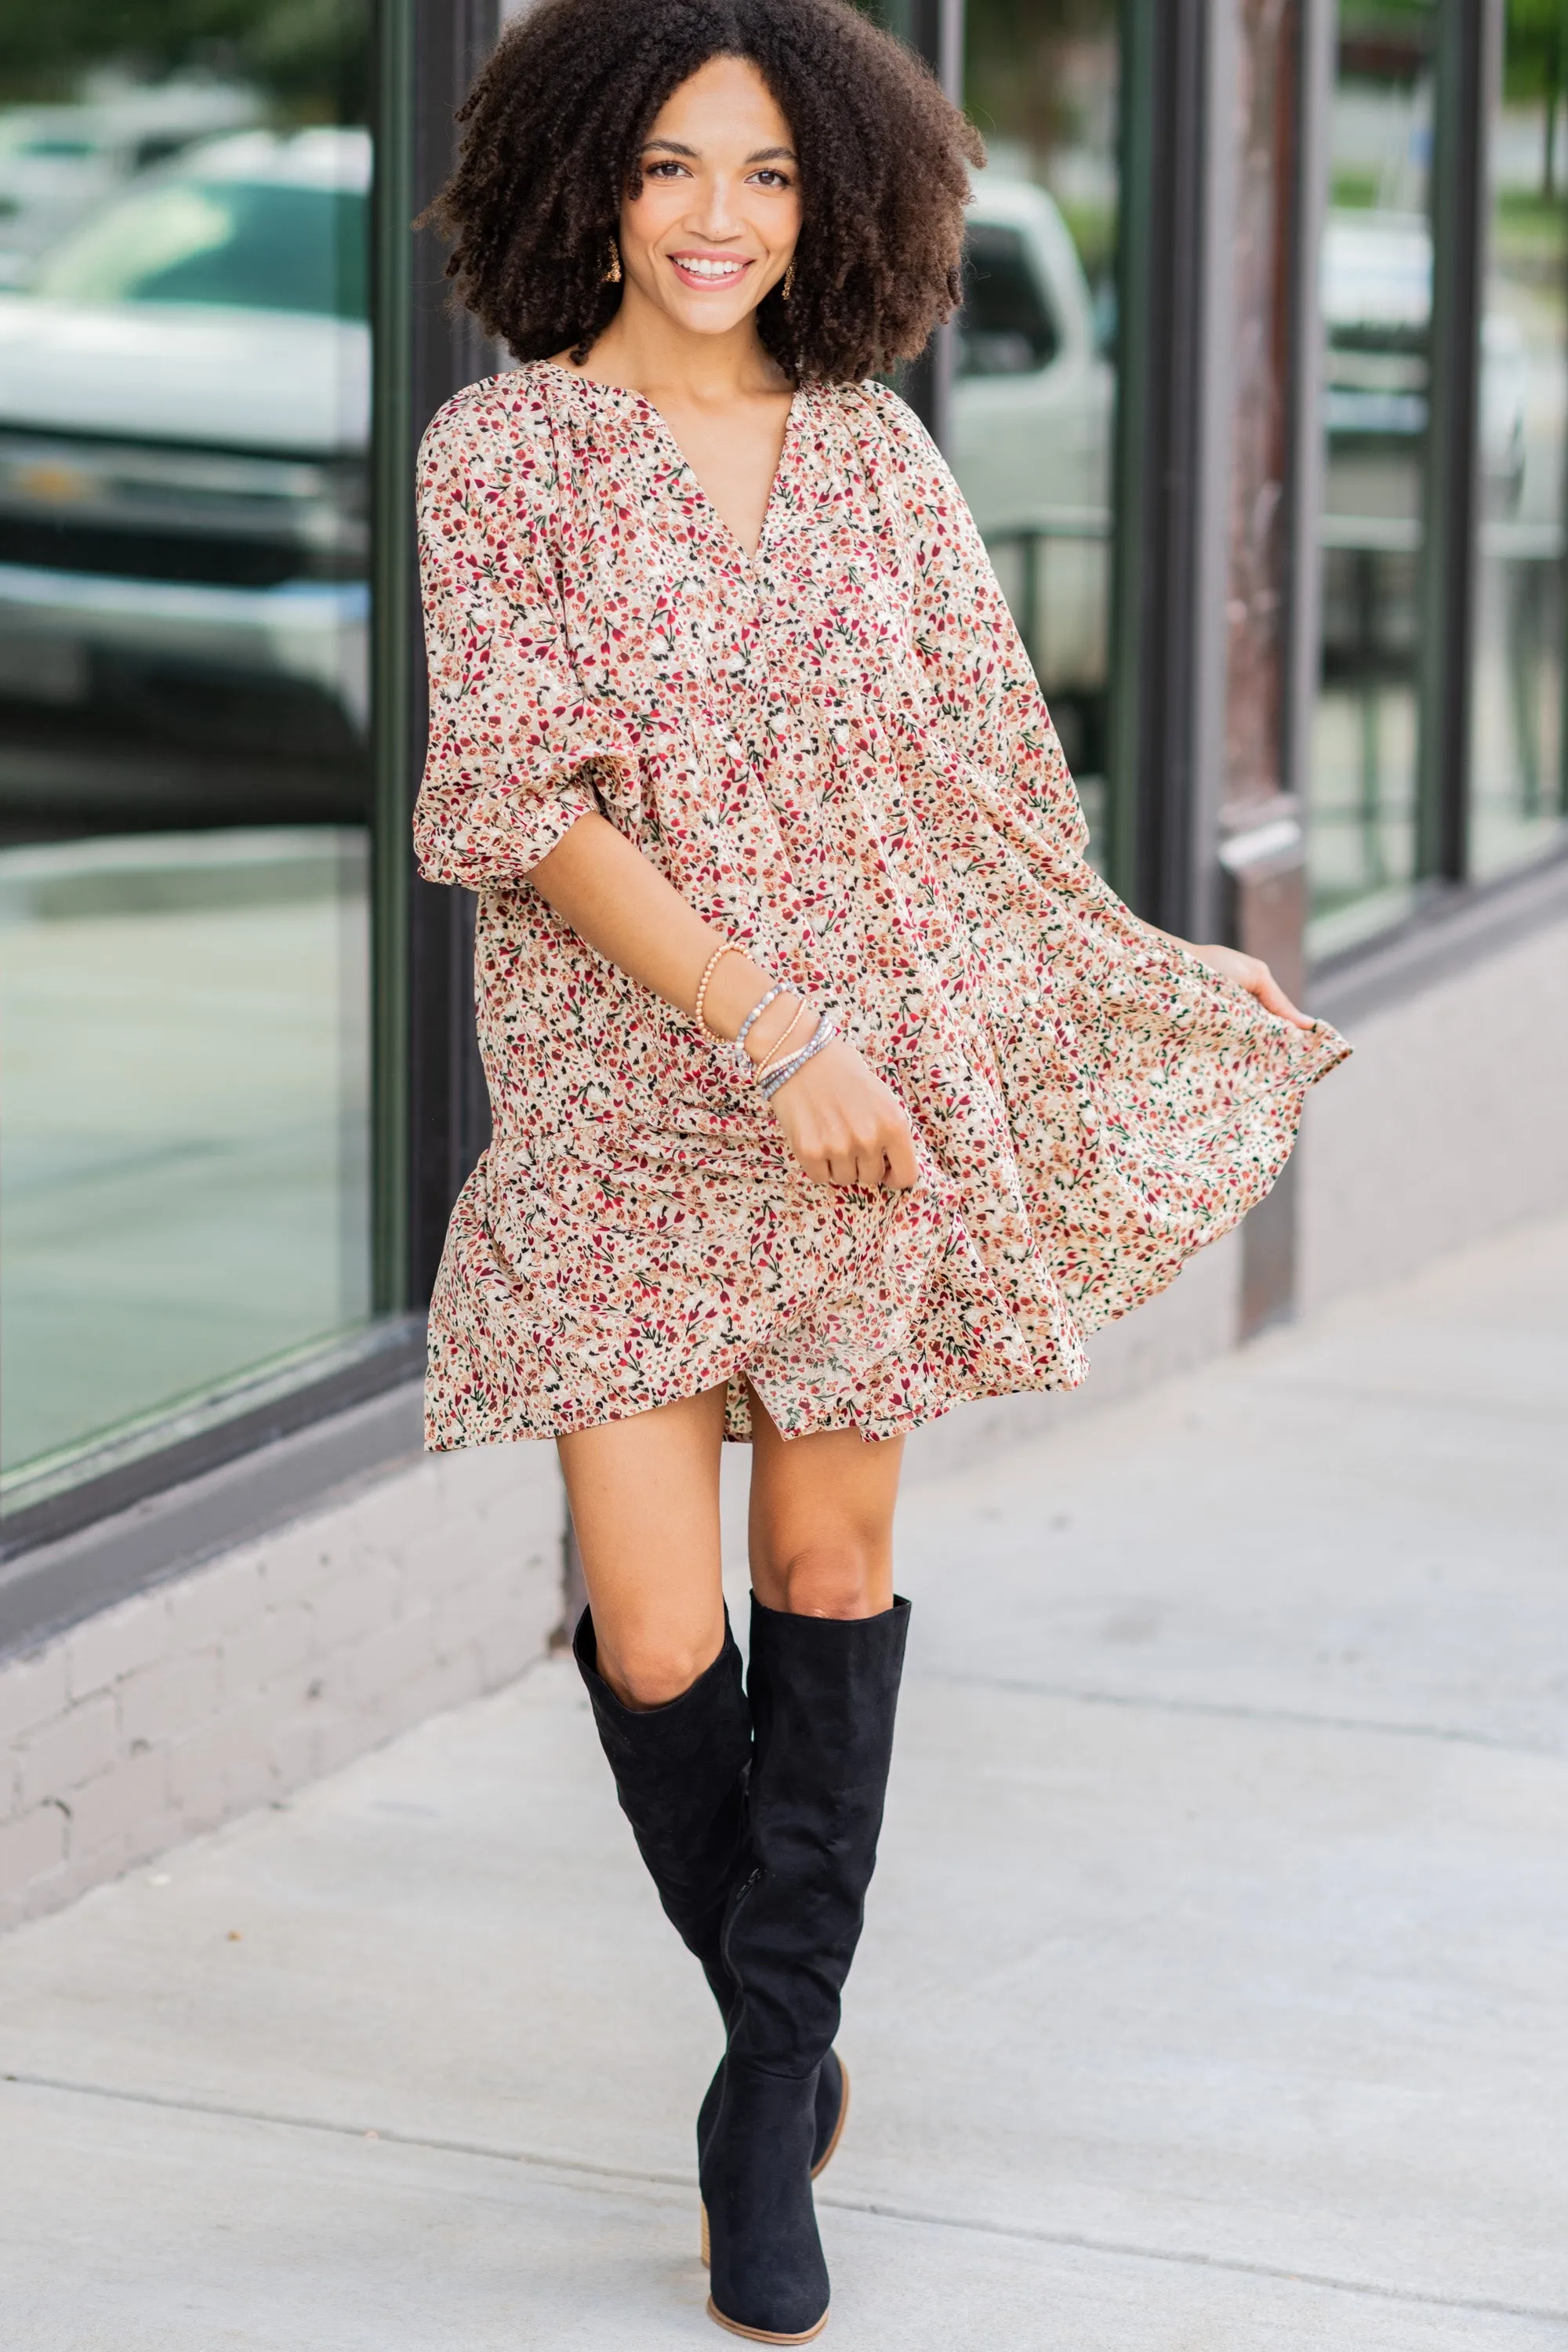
pixel 653 1668
pixel 830 1579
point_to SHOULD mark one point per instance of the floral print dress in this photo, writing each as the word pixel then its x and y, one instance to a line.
pixel 838 754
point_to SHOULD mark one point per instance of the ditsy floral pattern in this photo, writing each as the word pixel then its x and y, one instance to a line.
pixel 838 754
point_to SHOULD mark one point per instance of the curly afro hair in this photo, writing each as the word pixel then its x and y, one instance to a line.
pixel 556 123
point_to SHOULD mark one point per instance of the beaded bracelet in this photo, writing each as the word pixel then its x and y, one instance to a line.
pixel 823 1034
pixel 708 969
pixel 743 1059
pixel 776 1054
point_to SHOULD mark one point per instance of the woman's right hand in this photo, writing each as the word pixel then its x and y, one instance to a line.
pixel 844 1126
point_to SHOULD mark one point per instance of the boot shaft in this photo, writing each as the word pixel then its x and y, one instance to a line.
pixel 680 1777
pixel 823 1698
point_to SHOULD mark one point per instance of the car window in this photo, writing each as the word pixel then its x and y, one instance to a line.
pixel 257 245
pixel 1005 327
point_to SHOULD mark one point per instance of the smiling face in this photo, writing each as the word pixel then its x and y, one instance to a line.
pixel 715 223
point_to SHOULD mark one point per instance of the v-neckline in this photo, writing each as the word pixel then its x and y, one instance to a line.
pixel 662 426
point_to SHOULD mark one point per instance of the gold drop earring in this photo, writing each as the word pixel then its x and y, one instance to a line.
pixel 612 275
pixel 788 288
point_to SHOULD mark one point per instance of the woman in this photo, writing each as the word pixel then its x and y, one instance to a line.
pixel 830 1085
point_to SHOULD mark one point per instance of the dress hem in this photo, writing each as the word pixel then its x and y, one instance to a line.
pixel 874 1432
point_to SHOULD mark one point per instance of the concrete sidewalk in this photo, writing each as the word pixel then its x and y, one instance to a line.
pixel 1212 1994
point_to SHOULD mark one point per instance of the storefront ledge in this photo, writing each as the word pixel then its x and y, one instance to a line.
pixel 1445 935
pixel 81 1488
pixel 49 1586
pixel 218 1647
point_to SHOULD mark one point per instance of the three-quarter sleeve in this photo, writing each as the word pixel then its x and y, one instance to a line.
pixel 514 745
pixel 982 690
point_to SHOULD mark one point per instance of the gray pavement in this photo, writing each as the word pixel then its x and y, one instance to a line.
pixel 1213 1997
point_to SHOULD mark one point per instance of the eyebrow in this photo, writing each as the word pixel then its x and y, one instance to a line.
pixel 761 155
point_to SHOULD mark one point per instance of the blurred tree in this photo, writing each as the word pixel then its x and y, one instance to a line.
pixel 1368 15
pixel 1041 75
pixel 1534 57
pixel 311 56
pixel 1013 52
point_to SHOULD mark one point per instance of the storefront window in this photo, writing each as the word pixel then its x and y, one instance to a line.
pixel 1517 789
pixel 1033 395
pixel 1376 293
pixel 185 361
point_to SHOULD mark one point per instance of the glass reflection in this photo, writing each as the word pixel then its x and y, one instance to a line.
pixel 1376 294
pixel 1518 801
pixel 185 359
pixel 1034 389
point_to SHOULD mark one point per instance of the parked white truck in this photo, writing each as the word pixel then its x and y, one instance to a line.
pixel 1032 428
pixel 184 412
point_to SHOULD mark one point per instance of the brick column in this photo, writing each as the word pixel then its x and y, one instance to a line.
pixel 1262 847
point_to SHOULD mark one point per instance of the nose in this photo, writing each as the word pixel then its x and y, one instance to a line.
pixel 713 216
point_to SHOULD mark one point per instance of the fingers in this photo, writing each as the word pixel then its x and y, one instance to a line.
pixel 888 1166
pixel 903 1170
pixel 1273 999
pixel 1250 972
pixel 845 1126
pixel 864 1166
pixel 880 1159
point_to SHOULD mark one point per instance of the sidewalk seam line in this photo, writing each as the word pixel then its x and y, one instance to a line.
pixel 1235 1711
pixel 386 2132
pixel 874 2208
pixel 1230 2262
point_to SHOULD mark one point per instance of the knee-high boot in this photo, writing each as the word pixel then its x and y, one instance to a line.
pixel 680 1776
pixel 824 1695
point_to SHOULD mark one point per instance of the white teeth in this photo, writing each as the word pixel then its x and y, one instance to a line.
pixel 710 269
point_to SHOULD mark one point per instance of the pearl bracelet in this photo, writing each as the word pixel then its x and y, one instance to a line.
pixel 700 1013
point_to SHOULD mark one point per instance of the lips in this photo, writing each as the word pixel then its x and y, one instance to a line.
pixel 709 272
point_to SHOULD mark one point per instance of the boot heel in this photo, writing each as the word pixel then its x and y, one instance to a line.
pixel 761 2335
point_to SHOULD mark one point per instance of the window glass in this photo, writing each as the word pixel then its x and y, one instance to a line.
pixel 1033 397
pixel 1006 327
pixel 184 370
pixel 1376 296
pixel 1517 789
pixel 220 231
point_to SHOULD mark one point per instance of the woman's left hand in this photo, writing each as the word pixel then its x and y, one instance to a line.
pixel 1253 974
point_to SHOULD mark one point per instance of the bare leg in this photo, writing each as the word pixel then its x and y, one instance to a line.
pixel 645 1503
pixel 822 1520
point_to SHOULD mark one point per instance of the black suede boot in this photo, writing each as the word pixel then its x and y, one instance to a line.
pixel 830 2109
pixel 823 1693
pixel 680 1776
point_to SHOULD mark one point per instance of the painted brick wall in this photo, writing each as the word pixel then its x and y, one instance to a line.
pixel 228 1687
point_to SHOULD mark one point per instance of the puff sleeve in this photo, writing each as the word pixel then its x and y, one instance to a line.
pixel 515 744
